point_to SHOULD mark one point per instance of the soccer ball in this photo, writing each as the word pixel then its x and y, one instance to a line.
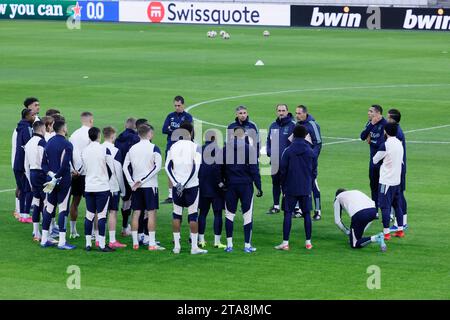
pixel 266 33
pixel 226 36
pixel 222 32
pixel 211 34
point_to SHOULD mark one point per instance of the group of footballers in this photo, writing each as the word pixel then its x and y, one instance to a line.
pixel 54 172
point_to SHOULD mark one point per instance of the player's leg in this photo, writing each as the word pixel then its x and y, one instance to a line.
pixel 126 210
pixel 359 223
pixel 204 206
pixel 36 207
pixel 101 204
pixel 50 203
pixel 385 198
pixel 63 207
pixel 276 192
pixel 28 200
pixel 231 201
pixel 137 205
pixel 246 198
pixel 316 191
pixel 288 205
pixel 21 194
pixel 191 198
pixel 141 230
pixel 374 177
pixel 152 205
pixel 77 193
pixel 306 205
pixel 89 218
pixel 113 208
pixel 398 208
pixel 177 217
pixel 218 205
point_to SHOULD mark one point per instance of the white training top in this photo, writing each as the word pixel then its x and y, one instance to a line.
pixel 116 182
pixel 96 160
pixel 34 152
pixel 145 160
pixel 80 140
pixel 49 135
pixel 391 168
pixel 351 201
pixel 183 163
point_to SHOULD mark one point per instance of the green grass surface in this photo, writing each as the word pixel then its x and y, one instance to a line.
pixel 136 69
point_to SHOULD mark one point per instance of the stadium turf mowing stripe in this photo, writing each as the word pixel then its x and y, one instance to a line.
pixel 136 70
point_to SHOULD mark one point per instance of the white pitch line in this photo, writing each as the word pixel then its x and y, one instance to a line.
pixel 429 142
pixel 426 129
pixel 7 190
pixel 306 90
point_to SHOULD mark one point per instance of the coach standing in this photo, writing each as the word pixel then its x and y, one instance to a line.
pixel 313 129
pixel 251 131
pixel 373 133
pixel 173 122
pixel 277 141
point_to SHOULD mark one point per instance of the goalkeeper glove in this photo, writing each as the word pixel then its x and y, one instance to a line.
pixel 50 185
pixel 180 189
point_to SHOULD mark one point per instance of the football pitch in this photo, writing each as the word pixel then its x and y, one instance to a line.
pixel 122 70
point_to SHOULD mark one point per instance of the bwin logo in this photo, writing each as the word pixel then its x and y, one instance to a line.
pixel 334 19
pixel 427 22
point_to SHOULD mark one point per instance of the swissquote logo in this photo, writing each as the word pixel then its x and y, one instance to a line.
pixel 335 19
pixel 426 21
pixel 155 12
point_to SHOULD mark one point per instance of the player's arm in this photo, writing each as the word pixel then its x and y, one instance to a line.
pixel 156 168
pixel 269 142
pixel 126 169
pixel 284 163
pixel 27 168
pixel 338 217
pixel 166 129
pixel 254 172
pixel 381 153
pixel 365 133
pixel 118 172
pixel 196 162
pixel 169 168
pixel 65 165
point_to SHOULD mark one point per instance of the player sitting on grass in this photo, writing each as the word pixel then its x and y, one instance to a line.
pixel 362 212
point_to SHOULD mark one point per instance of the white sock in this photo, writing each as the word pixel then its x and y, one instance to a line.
pixel 112 236
pixel 50 229
pixel 170 192
pixel 88 241
pixel 276 206
pixel 194 239
pixel 201 237
pixel 140 235
pixel 101 242
pixel 134 235
pixel 73 227
pixel 285 243
pixel 62 239
pixel 307 242
pixel 405 220
pixel 216 239
pixel 386 230
pixel 373 238
pixel 44 238
pixel 17 205
pixel 247 245
pixel 25 215
pixel 36 229
pixel 230 242
pixel 176 239
pixel 152 238
pixel 146 238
